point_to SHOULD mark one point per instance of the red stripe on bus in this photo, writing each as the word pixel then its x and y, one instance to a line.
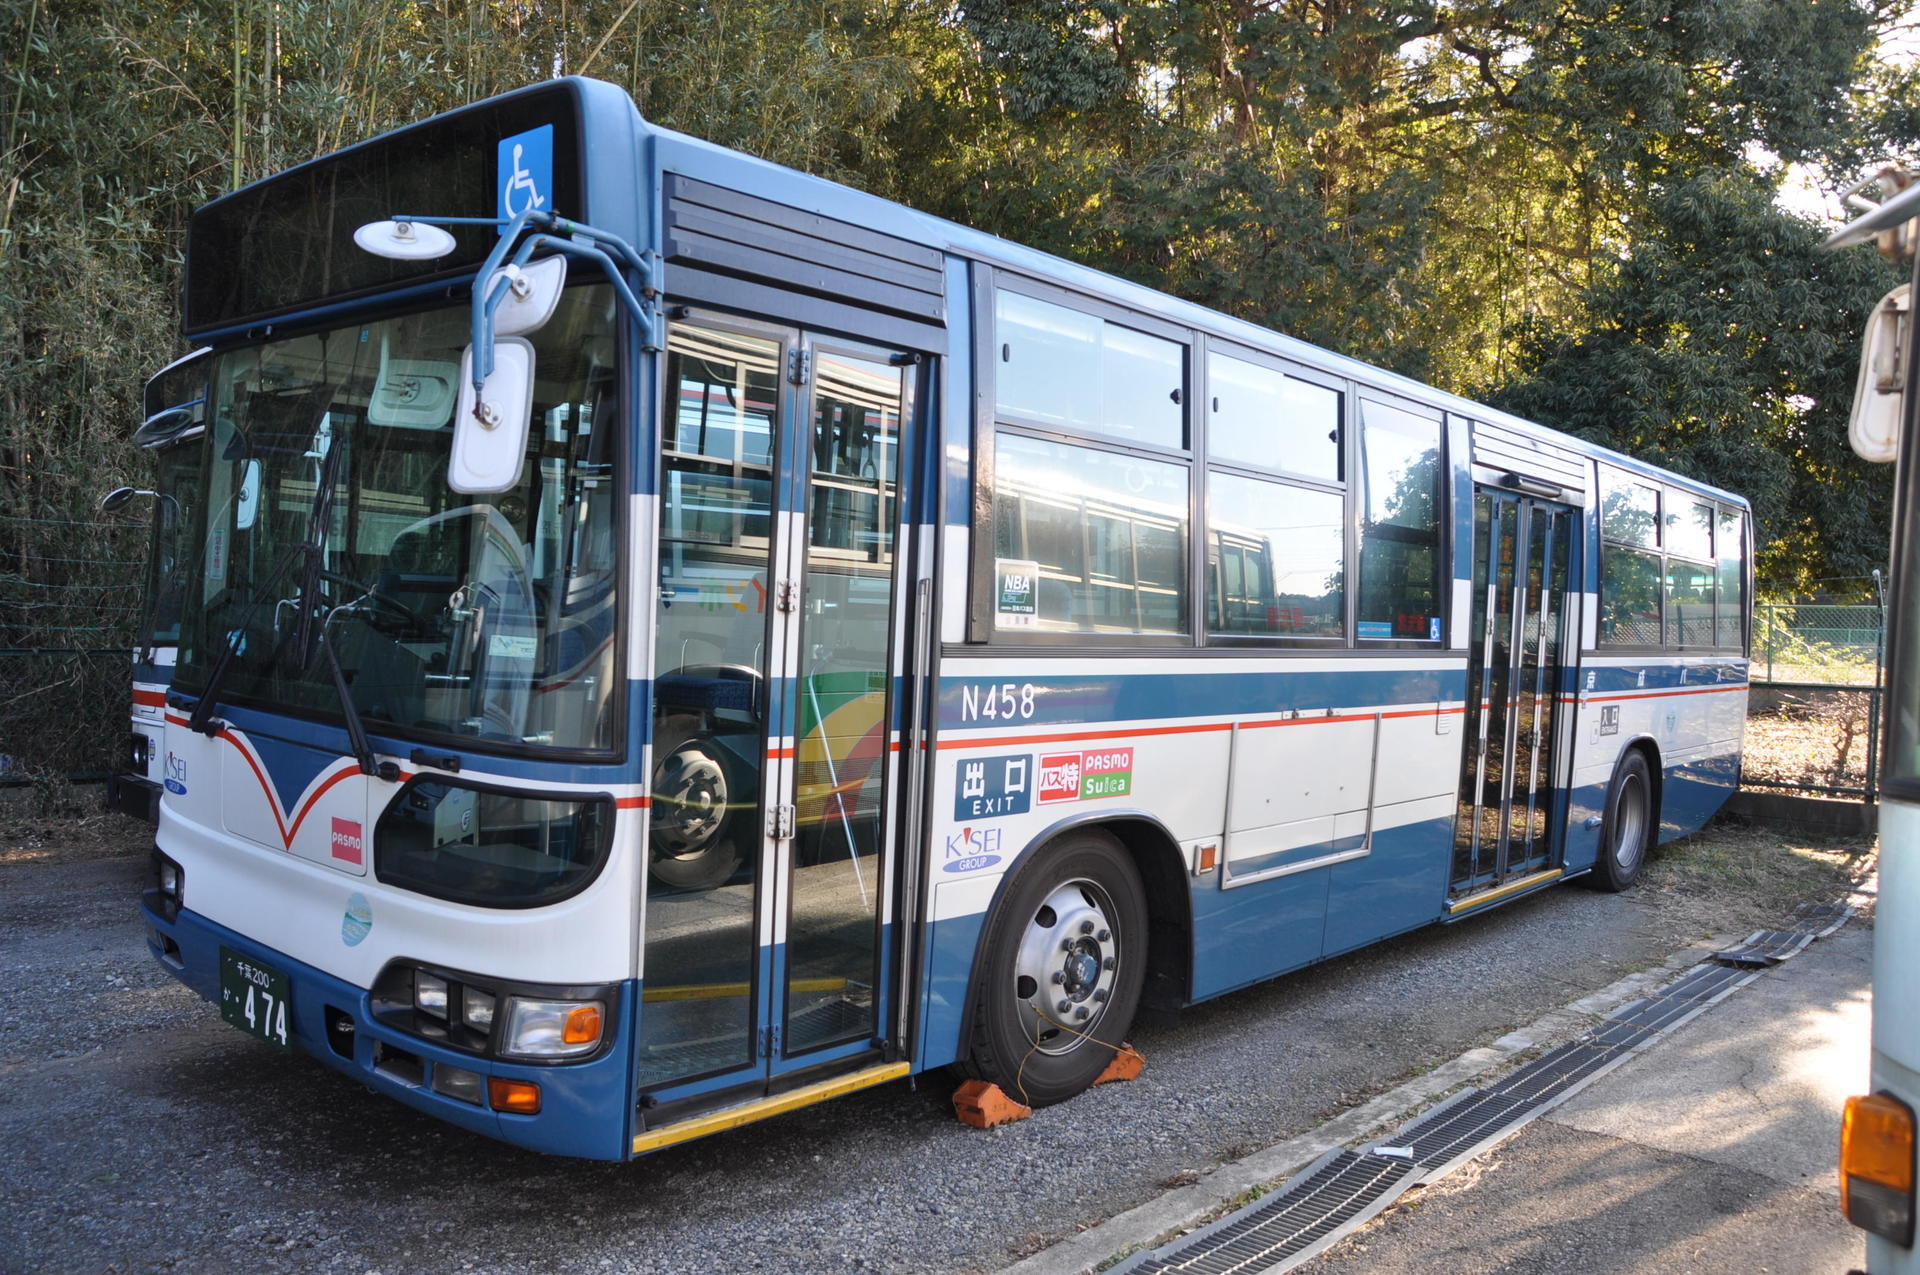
pixel 1704 690
pixel 153 699
pixel 632 803
pixel 994 741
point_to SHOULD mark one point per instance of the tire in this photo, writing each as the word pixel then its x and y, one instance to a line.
pixel 1070 930
pixel 1626 830
pixel 692 832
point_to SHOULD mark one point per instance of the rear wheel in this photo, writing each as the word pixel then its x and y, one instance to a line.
pixel 1064 960
pixel 1627 828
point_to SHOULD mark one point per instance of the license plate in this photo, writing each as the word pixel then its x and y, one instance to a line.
pixel 253 997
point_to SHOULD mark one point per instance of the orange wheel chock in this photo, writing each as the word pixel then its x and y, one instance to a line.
pixel 983 1106
pixel 1126 1065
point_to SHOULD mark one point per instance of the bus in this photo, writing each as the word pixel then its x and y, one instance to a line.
pixel 172 420
pixel 708 640
pixel 1877 1128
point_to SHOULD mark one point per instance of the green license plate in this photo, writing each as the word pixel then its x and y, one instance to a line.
pixel 253 997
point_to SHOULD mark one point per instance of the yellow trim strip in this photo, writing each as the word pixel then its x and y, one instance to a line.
pixel 747 1113
pixel 1499 892
pixel 721 991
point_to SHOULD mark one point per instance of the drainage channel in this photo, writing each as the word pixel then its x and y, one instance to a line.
pixel 1344 1189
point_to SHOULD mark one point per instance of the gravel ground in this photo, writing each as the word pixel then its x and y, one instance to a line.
pixel 144 1134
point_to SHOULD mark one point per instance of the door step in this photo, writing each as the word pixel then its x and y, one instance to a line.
pixel 1507 891
pixel 762 1108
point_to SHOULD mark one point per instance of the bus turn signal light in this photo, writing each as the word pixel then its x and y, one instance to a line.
pixel 582 1026
pixel 521 1097
pixel 1876 1166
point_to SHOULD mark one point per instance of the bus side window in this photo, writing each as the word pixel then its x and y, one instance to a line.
pixel 1400 527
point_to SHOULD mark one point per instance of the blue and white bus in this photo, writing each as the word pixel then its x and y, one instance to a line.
pixel 171 426
pixel 704 640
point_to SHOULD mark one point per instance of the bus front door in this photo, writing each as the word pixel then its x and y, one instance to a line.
pixel 1505 830
pixel 776 674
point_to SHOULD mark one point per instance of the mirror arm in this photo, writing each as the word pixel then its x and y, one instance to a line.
pixel 609 251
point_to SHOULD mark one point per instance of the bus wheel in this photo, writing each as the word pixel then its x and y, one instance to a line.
pixel 1627 828
pixel 690 832
pixel 1063 962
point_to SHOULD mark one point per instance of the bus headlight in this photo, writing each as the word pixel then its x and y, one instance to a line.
pixel 1876 1166
pixel 551 1029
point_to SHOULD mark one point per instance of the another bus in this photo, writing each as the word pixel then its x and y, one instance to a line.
pixel 1877 1129
pixel 709 640
pixel 174 406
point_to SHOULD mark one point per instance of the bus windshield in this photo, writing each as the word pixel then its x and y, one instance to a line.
pixel 329 523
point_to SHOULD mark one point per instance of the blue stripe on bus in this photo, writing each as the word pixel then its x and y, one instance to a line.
pixel 1660 672
pixel 1061 699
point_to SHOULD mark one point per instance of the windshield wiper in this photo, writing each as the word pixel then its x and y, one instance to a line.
pixel 356 728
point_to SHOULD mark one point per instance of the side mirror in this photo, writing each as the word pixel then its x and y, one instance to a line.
pixel 117 499
pixel 163 425
pixel 1874 424
pixel 490 425
pixel 246 505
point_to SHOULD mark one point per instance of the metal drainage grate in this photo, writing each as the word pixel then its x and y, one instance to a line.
pixel 1765 947
pixel 1330 1197
pixel 1821 919
pixel 1336 1194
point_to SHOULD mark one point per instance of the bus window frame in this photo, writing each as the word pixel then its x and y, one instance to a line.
pixel 1444 548
pixel 1670 492
pixel 1349 392
pixel 989 421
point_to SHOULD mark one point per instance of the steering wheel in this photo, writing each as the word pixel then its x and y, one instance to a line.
pixel 395 607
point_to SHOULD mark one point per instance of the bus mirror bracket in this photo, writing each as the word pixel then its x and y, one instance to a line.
pixel 507 273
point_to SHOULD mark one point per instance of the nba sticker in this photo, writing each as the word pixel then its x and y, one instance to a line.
pixel 357 922
pixel 1016 594
pixel 993 786
pixel 346 842
pixel 1085 776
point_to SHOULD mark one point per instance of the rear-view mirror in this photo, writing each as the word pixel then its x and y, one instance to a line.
pixel 163 425
pixel 246 505
pixel 117 499
pixel 1874 425
pixel 490 427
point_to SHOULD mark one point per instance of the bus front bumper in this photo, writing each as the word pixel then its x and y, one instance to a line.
pixel 585 1109
pixel 134 795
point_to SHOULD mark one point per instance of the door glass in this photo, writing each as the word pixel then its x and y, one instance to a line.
pixel 1528 688
pixel 842 702
pixel 1467 836
pixel 710 700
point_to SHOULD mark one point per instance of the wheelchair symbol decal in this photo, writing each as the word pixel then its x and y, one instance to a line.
pixel 525 170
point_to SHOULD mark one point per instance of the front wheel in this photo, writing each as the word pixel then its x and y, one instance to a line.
pixel 1064 959
pixel 692 830
pixel 1627 828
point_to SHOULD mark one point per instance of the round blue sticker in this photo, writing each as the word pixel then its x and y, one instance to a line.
pixel 357 923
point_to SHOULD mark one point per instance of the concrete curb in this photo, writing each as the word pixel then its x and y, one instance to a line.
pixel 1183 1208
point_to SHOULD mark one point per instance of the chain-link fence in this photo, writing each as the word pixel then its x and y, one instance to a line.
pixel 1813 717
pixel 70 608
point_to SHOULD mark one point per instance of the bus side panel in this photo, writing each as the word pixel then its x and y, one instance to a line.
pixel 1402 884
pixel 959 915
pixel 1691 710
pixel 1253 932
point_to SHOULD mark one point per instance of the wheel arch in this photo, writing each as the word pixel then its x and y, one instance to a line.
pixel 1156 856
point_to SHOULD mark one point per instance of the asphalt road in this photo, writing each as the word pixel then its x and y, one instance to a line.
pixel 142 1133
